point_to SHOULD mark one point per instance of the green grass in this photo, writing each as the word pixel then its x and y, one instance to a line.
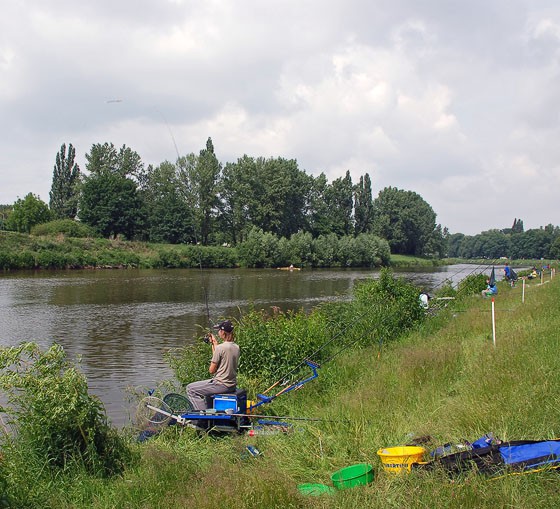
pixel 414 261
pixel 445 380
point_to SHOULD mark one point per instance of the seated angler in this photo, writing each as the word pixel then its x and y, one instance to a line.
pixel 225 359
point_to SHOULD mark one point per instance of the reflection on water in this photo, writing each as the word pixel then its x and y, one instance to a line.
pixel 121 322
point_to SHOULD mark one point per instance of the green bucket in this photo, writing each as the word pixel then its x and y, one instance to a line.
pixel 355 475
pixel 315 489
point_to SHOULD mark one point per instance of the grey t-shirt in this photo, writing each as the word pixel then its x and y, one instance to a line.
pixel 226 356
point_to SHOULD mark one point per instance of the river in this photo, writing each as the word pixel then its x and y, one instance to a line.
pixel 121 322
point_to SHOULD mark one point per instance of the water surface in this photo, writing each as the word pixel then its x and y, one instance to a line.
pixel 121 322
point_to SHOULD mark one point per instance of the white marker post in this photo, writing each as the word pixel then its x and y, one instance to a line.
pixel 493 324
pixel 523 292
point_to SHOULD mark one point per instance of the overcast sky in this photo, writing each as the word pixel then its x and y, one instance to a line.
pixel 457 101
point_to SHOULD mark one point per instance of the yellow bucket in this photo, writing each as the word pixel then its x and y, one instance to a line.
pixel 400 459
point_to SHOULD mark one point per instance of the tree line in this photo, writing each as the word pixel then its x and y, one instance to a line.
pixel 199 200
pixel 512 242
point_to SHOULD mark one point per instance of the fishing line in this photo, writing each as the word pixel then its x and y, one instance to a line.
pixel 170 132
pixel 198 246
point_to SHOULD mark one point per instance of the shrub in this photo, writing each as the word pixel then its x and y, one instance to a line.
pixel 66 227
pixel 471 285
pixel 58 424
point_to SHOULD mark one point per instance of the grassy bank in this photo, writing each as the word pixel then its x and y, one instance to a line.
pixel 445 380
pixel 20 251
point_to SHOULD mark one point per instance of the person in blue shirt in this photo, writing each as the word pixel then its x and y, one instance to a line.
pixel 490 290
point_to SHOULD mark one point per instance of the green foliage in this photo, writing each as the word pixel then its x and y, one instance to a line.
pixel 68 227
pixel 363 206
pixel 5 211
pixel 405 220
pixel 109 200
pixel 168 215
pixel 554 251
pixel 57 425
pixel 262 249
pixel 389 305
pixel 19 251
pixel 64 189
pixel 259 249
pixel 190 363
pixel 26 213
pixel 110 204
pixel 447 290
pixel 511 242
pixel 338 197
pixel 472 285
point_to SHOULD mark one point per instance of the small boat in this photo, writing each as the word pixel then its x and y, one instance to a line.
pixel 291 267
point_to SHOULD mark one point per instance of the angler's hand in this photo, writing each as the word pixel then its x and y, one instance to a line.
pixel 213 340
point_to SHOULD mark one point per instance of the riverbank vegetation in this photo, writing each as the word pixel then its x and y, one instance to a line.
pixel 398 374
pixel 260 250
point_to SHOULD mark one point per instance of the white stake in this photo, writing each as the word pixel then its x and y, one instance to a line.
pixel 493 324
pixel 523 292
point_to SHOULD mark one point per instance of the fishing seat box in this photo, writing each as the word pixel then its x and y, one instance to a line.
pixel 236 401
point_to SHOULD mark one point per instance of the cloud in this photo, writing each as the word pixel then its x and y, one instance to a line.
pixel 455 102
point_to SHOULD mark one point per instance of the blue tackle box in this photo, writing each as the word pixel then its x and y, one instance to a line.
pixel 223 402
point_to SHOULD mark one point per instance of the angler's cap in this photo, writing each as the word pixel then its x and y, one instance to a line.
pixel 226 326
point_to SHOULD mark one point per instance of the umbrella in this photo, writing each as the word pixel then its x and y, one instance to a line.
pixel 492 278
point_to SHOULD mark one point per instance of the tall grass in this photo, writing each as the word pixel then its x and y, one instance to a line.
pixel 444 379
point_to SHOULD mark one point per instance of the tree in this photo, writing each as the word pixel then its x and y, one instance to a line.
pixel 405 220
pixel 281 194
pixel 517 226
pixel 169 219
pixel 454 244
pixel 198 177
pixel 26 213
pixel 5 211
pixel 64 192
pixel 237 197
pixel 363 206
pixel 554 251
pixel 318 212
pixel 339 200
pixel 109 200
pixel 206 177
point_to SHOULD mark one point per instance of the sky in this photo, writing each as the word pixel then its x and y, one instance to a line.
pixel 457 101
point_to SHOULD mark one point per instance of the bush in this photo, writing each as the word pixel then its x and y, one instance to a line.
pixel 67 227
pixel 58 425
pixel 472 285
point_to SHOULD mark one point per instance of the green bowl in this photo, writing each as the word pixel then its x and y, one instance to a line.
pixel 315 489
pixel 355 475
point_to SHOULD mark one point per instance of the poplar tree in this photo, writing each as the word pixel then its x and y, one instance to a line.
pixel 64 189
pixel 363 206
